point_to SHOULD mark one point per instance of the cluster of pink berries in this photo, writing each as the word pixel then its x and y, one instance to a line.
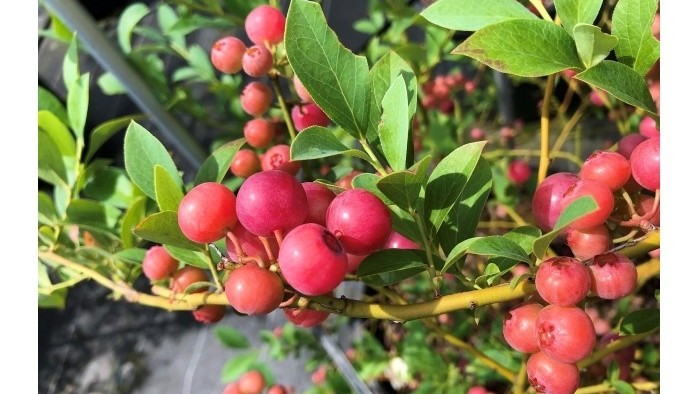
pixel 561 334
pixel 438 92
pixel 311 247
pixel 253 382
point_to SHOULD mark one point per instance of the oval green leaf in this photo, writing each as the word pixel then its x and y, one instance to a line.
pixel 390 266
pixel 336 79
pixel 190 257
pixel 142 151
pixel 393 129
pixel 528 48
pixel 493 245
pixel 578 208
pixel 573 12
pixel 631 23
pixel 104 131
pixel 217 165
pixel 472 15
pixel 128 20
pixel 640 322
pixel 621 81
pixel 162 228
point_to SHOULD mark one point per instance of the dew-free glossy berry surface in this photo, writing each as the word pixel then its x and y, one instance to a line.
pixel 278 158
pixel 519 328
pixel 611 168
pixel 562 281
pixel 613 276
pixel 307 115
pixel 256 98
pixel 158 264
pixel 257 61
pixel 253 290
pixel 259 132
pixel 207 212
pixel 245 163
pixel 305 317
pixel 547 200
pixel 646 161
pixel 227 54
pixel 549 376
pixel 601 194
pixel 319 198
pixel 360 220
pixel 565 334
pixel 186 276
pixel 265 24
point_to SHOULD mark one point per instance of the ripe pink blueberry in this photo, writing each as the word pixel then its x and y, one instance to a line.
pixel 259 132
pixel 588 242
pixel 226 54
pixel 265 24
pixel 257 61
pixel 518 172
pixel 547 203
pixel 278 158
pixel 312 260
pixel 519 328
pixel 563 281
pixel 613 276
pixel 256 98
pixel 645 161
pixel 303 94
pixel 550 376
pixel 207 212
pixel 611 168
pixel 158 264
pixel 253 290
pixel 319 198
pixel 360 221
pixel 307 115
pixel 600 192
pixel 565 334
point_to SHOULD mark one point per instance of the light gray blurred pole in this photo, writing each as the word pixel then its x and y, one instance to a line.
pixel 111 59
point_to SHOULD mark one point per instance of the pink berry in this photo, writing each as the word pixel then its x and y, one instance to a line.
pixel 307 115
pixel 519 328
pixel 257 61
pixel 271 201
pixel 256 98
pixel 645 161
pixel 259 132
pixel 565 334
pixel 250 244
pixel 611 168
pixel 207 212
pixel 647 127
pixel 209 314
pixel 360 220
pixel 627 144
pixel 245 163
pixel 398 241
pixel 550 376
pixel 265 24
pixel 354 262
pixel 518 172
pixel 319 198
pixel 562 281
pixel 158 264
pixel 278 158
pixel 477 134
pixel 547 201
pixel 613 276
pixel 312 260
pixel 306 317
pixel 303 94
pixel 227 55
pixel 596 98
pixel 253 290
pixel 186 276
pixel 602 195
pixel 588 242
pixel 646 204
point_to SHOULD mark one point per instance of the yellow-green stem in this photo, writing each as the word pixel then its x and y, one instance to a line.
pixel 575 118
pixel 540 8
pixel 607 388
pixel 283 105
pixel 544 126
pixel 611 348
pixel 214 272
pixel 375 162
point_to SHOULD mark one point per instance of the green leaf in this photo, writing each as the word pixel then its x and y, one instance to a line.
pixel 621 82
pixel 640 322
pixel 162 228
pixel 472 15
pixel 573 12
pixel 167 18
pixel 368 182
pixel 528 48
pixel 93 213
pixel 47 101
pixel 133 215
pixel 78 99
pixel 90 172
pixel 71 66
pixel 394 128
pixel 390 266
pixel 47 211
pixel 190 23
pixel 142 151
pixel 449 180
pixel 524 236
pixel 316 142
pixel 51 166
pixel 131 255
pixel 622 387
pixel 112 186
pixel 578 208
pixel 381 76
pixel 592 45
pixel 168 192
pixel 462 219
pixel 237 366
pixel 104 131
pixel 492 245
pixel 217 165
pixel 58 132
pixel 232 338
pixel 403 189
pixel 110 85
pixel 200 61
pixel 191 257
pixel 336 79
pixel 631 23
pixel 128 20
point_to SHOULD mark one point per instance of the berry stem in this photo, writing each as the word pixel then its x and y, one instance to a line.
pixel 268 248
pixel 429 252
pixel 607 387
pixel 625 238
pixel 274 77
pixel 544 120
pixel 573 121
pixel 279 237
pixel 236 245
pixel 375 162
pixel 214 273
